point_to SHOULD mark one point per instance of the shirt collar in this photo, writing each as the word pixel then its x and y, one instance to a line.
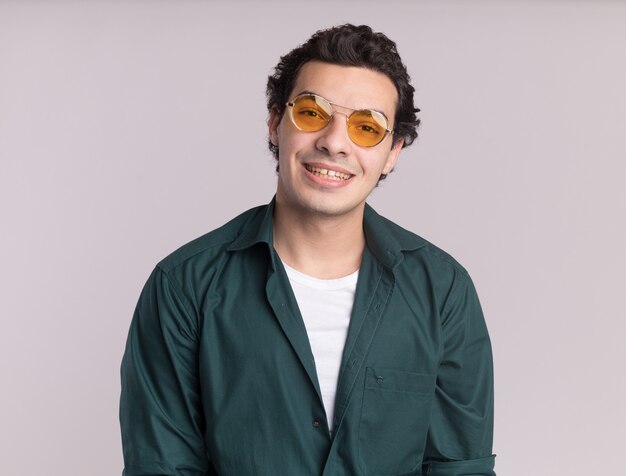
pixel 385 239
pixel 258 228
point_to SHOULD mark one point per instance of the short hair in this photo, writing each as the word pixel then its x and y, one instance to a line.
pixel 348 45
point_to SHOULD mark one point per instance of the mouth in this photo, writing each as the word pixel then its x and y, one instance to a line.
pixel 327 173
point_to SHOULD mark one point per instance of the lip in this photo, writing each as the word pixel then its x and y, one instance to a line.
pixel 327 182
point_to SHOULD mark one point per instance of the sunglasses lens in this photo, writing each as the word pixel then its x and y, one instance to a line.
pixel 311 113
pixel 367 128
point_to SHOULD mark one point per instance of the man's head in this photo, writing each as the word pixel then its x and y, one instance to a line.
pixel 348 45
pixel 341 109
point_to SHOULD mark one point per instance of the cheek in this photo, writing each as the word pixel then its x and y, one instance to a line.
pixel 377 166
pixel 284 136
pixel 294 144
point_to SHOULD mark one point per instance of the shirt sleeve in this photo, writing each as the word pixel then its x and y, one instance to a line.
pixel 160 407
pixel 461 433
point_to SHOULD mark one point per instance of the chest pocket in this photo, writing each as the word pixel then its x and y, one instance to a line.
pixel 394 421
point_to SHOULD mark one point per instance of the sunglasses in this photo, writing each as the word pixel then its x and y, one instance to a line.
pixel 311 113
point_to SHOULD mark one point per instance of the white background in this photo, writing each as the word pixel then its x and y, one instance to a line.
pixel 127 128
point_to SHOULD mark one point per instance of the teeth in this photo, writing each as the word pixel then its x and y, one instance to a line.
pixel 331 174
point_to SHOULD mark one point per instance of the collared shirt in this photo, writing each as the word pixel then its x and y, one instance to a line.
pixel 218 377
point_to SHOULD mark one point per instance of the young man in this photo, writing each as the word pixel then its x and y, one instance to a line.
pixel 312 336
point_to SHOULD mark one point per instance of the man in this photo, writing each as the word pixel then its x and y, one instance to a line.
pixel 312 336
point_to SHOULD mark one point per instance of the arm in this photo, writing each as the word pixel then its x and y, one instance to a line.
pixel 461 432
pixel 160 407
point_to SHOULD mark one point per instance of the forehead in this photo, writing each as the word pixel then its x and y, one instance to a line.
pixel 349 86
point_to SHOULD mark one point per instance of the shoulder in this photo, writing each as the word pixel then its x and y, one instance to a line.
pixel 413 247
pixel 437 265
pixel 440 258
pixel 426 273
pixel 206 248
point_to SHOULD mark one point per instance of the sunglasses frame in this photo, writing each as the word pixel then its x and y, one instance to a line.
pixel 290 105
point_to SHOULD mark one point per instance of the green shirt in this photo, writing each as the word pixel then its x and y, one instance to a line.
pixel 218 375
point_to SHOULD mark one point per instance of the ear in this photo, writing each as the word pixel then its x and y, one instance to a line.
pixel 392 158
pixel 272 124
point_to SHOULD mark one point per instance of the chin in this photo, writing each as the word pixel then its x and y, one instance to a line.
pixel 330 209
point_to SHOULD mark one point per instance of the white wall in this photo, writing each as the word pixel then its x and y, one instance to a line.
pixel 120 141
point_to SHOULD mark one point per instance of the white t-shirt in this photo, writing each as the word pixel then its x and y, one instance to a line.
pixel 326 306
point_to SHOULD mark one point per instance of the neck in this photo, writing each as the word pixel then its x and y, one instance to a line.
pixel 325 247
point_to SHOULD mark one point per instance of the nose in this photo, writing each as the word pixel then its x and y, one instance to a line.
pixel 334 139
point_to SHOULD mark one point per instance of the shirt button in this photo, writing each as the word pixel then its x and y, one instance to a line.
pixel 317 423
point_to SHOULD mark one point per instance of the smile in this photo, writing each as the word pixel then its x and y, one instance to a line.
pixel 328 174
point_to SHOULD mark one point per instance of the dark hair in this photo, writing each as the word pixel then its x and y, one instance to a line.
pixel 348 45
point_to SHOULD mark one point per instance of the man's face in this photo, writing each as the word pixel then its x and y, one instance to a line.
pixel 308 160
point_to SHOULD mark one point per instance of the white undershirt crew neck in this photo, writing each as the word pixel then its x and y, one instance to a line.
pixel 326 307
